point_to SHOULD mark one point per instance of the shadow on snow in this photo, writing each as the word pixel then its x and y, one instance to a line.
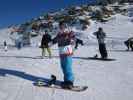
pixel 23 75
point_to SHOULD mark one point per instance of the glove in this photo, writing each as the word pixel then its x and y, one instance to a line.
pixel 50 44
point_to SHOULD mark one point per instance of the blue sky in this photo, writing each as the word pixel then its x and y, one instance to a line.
pixel 19 11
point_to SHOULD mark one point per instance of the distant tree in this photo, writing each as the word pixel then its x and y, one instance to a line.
pixel 105 2
pixel 123 1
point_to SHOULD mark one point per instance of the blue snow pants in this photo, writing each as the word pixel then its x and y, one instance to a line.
pixel 66 65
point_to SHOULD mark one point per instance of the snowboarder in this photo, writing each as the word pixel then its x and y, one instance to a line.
pixel 65 40
pixel 5 46
pixel 46 39
pixel 101 35
pixel 129 44
pixel 78 41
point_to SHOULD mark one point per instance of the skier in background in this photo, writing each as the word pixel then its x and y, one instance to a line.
pixel 19 41
pixel 129 44
pixel 5 46
pixel 78 41
pixel 46 39
pixel 101 35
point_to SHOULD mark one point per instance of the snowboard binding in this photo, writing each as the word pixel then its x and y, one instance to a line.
pixel 52 80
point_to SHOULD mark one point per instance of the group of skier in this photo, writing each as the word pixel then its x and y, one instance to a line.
pixel 65 40
pixel 100 35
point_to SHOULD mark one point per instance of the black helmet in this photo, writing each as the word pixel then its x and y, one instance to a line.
pixel 100 28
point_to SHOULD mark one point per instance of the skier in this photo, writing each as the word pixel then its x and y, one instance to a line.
pixel 19 37
pixel 5 46
pixel 100 35
pixel 129 43
pixel 65 40
pixel 78 41
pixel 46 39
pixel 19 41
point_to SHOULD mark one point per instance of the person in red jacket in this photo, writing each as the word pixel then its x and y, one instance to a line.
pixel 65 39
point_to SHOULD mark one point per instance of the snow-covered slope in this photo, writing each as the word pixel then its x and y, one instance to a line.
pixel 106 80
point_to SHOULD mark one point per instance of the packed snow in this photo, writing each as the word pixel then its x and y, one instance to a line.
pixel 106 80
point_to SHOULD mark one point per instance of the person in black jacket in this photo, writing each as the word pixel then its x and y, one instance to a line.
pixel 78 41
pixel 129 44
pixel 46 39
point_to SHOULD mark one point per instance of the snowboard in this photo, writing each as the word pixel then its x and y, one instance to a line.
pixel 96 58
pixel 57 85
